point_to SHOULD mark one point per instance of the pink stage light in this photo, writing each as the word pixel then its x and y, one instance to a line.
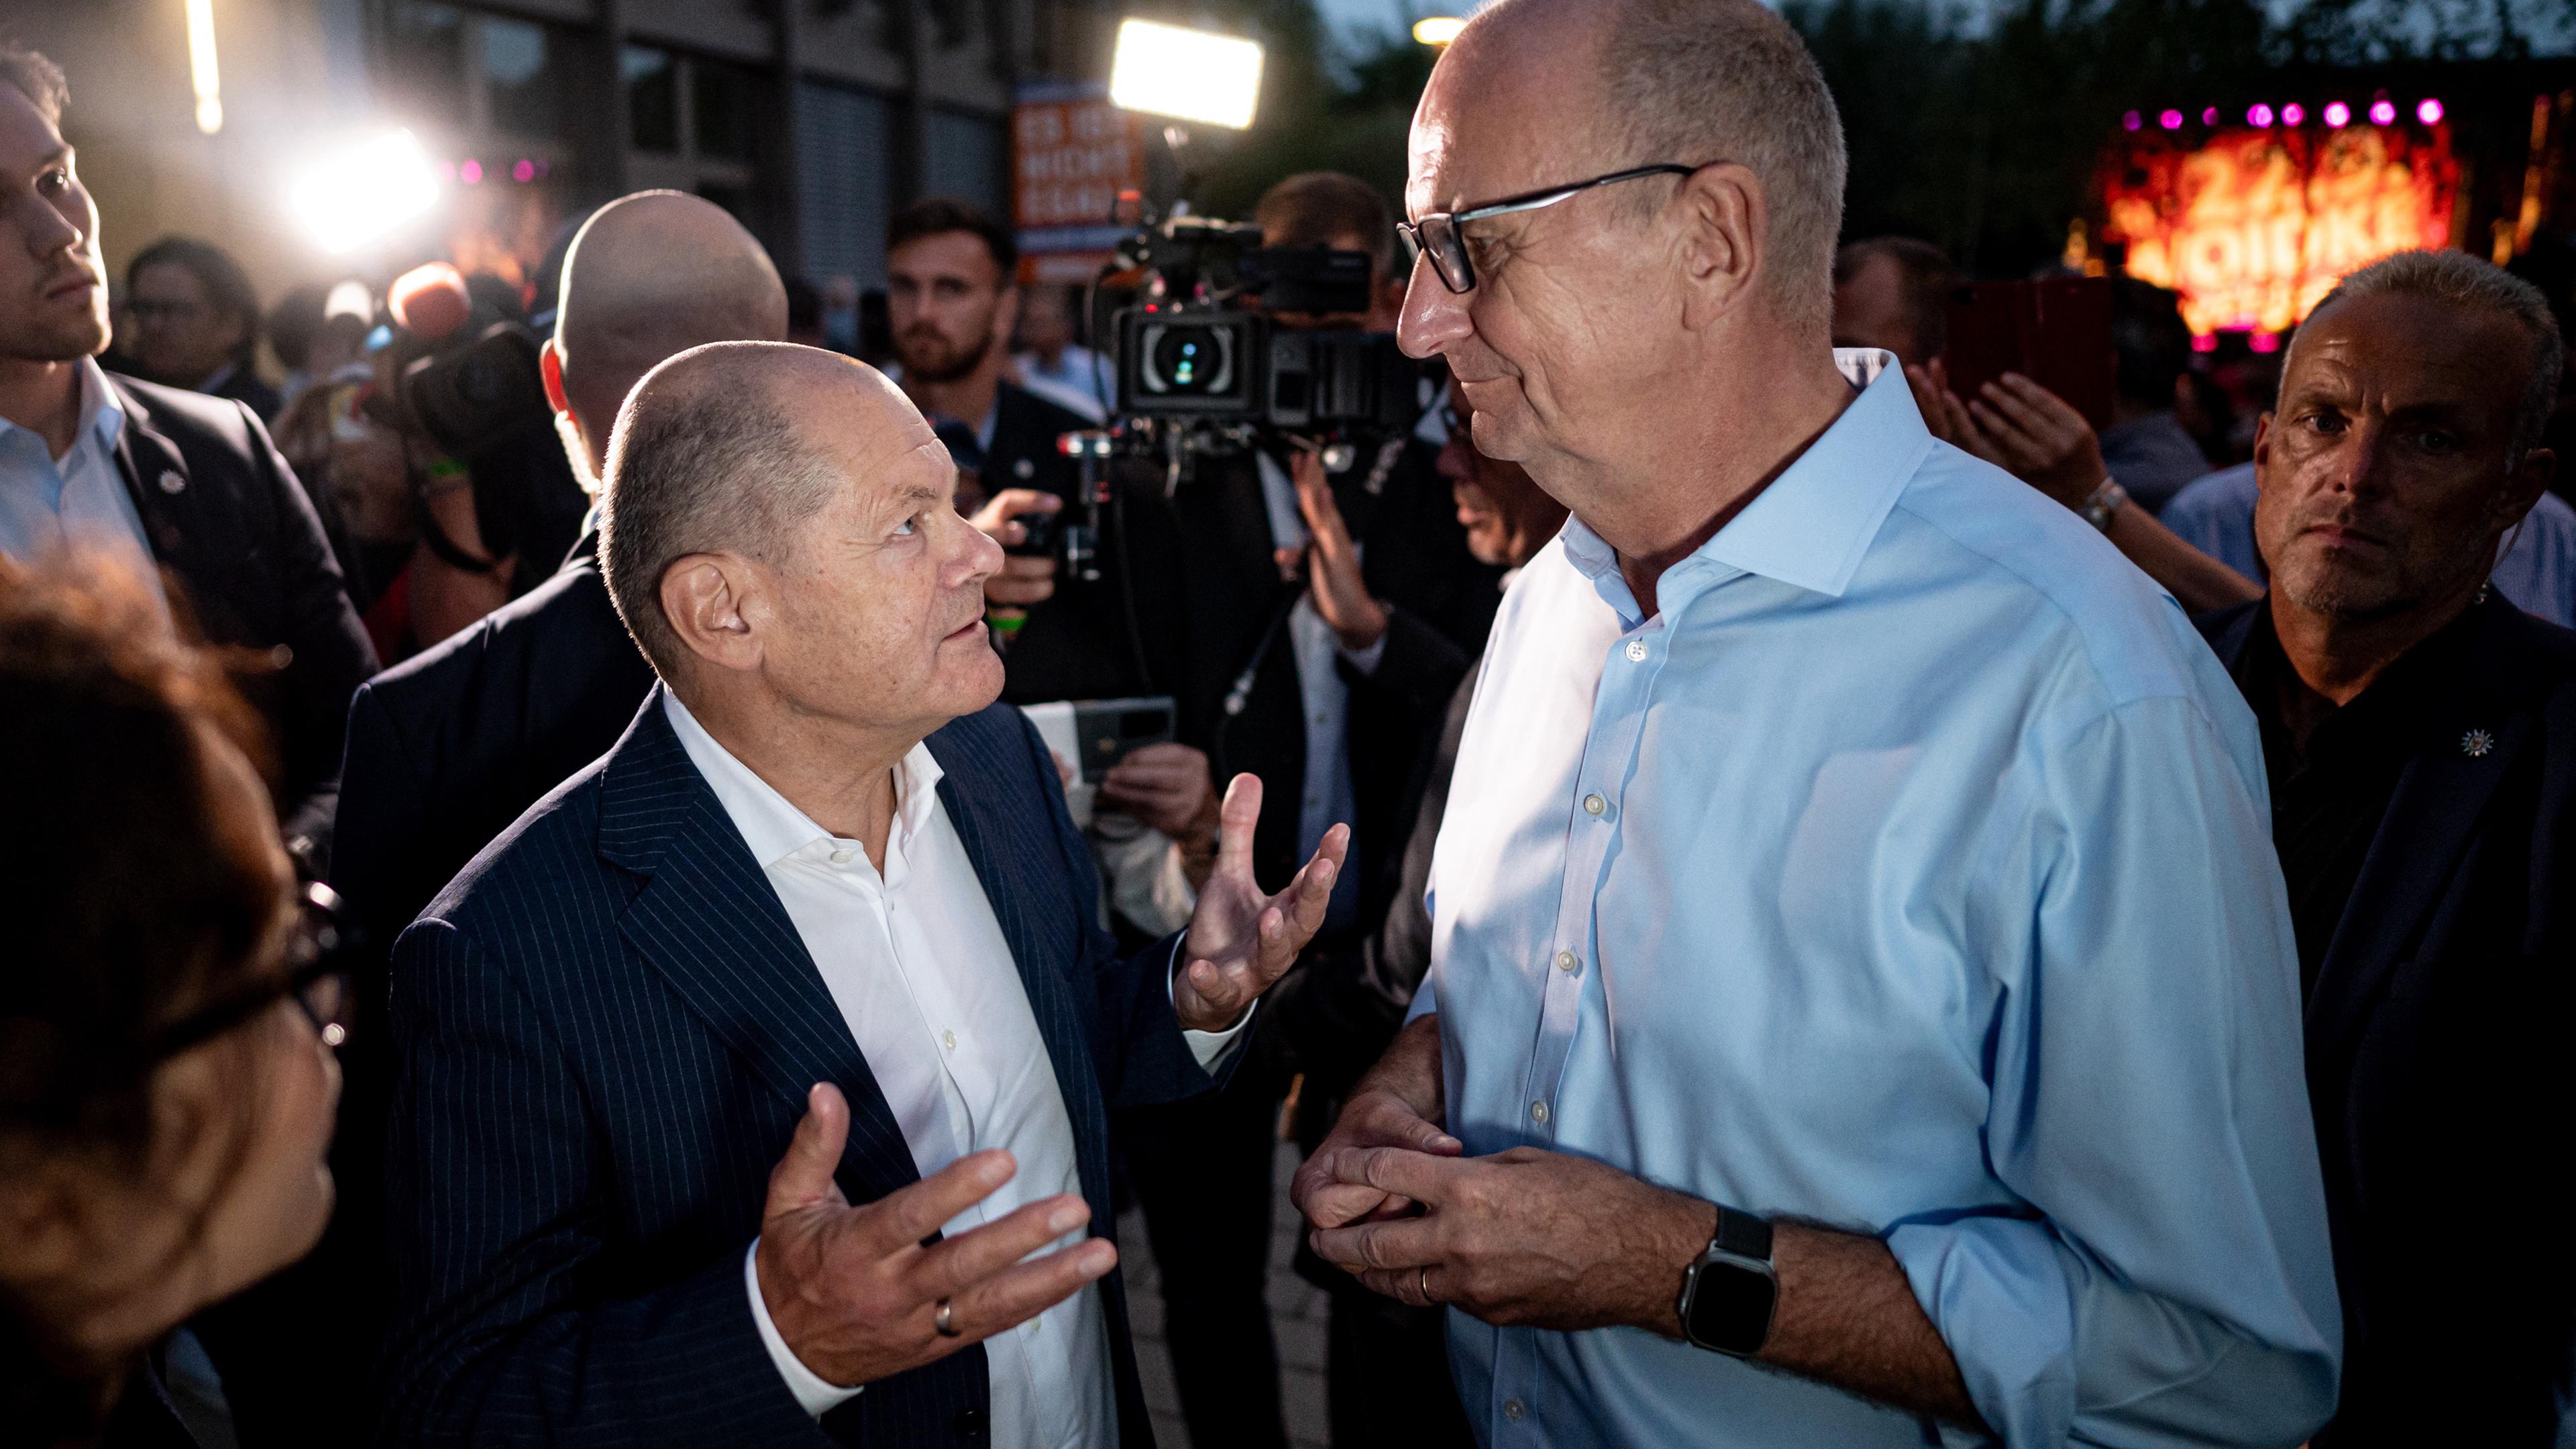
pixel 2338 114
pixel 523 169
pixel 470 172
pixel 2170 120
pixel 2263 341
pixel 2293 113
pixel 2209 116
pixel 2131 121
pixel 2382 113
pixel 2429 111
pixel 2259 116
pixel 2205 342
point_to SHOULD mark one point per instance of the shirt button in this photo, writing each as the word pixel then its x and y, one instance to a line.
pixel 1568 962
pixel 1538 1113
pixel 1512 1410
pixel 841 857
pixel 1594 804
pixel 948 1039
pixel 1637 651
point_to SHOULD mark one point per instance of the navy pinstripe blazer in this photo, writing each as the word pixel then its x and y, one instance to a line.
pixel 607 1025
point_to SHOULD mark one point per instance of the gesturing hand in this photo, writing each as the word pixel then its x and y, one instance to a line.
pixel 1240 939
pixel 1521 1238
pixel 855 1294
pixel 1333 577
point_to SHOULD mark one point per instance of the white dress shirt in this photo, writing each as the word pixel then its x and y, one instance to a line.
pixel 916 961
pixel 76 500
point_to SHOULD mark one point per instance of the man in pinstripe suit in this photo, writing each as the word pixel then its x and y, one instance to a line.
pixel 822 899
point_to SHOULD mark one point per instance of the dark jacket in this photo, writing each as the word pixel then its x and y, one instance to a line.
pixel 444 750
pixel 2438 1065
pixel 607 1027
pixel 226 515
pixel 1191 602
pixel 451 745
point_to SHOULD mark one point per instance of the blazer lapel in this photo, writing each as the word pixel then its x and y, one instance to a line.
pixel 157 480
pixel 999 841
pixel 2476 736
pixel 710 923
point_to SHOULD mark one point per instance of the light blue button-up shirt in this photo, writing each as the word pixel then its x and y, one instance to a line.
pixel 48 503
pixel 1911 872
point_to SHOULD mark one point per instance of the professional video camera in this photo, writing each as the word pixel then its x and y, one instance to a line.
pixel 466 380
pixel 1200 371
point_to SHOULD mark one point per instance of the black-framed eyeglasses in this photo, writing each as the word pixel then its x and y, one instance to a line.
pixel 317 977
pixel 1437 237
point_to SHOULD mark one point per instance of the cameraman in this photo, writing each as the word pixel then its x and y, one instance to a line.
pixel 1303 621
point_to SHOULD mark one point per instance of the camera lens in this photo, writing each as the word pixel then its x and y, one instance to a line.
pixel 1193 360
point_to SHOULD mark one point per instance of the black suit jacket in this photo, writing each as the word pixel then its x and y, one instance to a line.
pixel 451 745
pixel 2438 1064
pixel 608 1025
pixel 224 513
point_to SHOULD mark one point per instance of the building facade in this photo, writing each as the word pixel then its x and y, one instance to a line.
pixel 811 120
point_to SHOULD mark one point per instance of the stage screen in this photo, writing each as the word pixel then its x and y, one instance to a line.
pixel 2253 226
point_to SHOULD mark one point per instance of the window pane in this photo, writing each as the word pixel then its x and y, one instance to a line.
pixel 726 102
pixel 519 79
pixel 428 73
pixel 652 99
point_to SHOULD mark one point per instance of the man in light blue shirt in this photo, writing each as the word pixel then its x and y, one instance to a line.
pixel 2536 569
pixel 1817 1050
pixel 52 501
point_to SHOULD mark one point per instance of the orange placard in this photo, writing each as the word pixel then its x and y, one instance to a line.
pixel 2254 227
pixel 1072 153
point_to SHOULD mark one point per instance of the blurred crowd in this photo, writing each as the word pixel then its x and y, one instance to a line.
pixel 313 608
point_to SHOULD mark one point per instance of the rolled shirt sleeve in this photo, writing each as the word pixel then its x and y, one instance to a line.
pixel 2175 1283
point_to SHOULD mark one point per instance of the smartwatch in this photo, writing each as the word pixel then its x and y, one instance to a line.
pixel 1729 1291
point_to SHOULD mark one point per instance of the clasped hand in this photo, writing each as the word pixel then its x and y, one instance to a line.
pixel 1522 1238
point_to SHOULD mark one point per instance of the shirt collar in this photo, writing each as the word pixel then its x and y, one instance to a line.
pixel 1813 525
pixel 100 412
pixel 769 823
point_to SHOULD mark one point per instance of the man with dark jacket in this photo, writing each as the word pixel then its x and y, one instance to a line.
pixel 823 907
pixel 2419 733
pixel 188 483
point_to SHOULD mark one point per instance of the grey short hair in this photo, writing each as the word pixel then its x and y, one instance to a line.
pixel 2456 279
pixel 1696 81
pixel 702 472
pixel 37 78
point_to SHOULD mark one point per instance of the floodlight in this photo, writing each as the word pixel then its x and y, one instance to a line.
pixel 2382 112
pixel 2338 114
pixel 2259 115
pixel 362 193
pixel 1438 29
pixel 202 74
pixel 2293 113
pixel 2429 111
pixel 1192 75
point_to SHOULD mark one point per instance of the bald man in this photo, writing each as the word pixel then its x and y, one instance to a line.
pixel 756 1083
pixel 1863 1007
pixel 448 747
pixel 445 749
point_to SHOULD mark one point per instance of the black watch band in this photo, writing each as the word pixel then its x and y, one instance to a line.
pixel 1730 1291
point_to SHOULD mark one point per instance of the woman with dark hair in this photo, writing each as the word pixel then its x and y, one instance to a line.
pixel 168 1010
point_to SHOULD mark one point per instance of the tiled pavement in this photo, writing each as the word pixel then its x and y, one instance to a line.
pixel 1296 1318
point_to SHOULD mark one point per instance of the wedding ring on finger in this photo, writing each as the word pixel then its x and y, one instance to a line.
pixel 1426 1285
pixel 946 1321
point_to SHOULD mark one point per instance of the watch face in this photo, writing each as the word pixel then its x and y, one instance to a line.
pixel 1731 1307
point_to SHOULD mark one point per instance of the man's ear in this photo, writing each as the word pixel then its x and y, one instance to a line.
pixel 40 1223
pixel 550 366
pixel 709 601
pixel 1724 217
pixel 1006 316
pixel 2524 487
